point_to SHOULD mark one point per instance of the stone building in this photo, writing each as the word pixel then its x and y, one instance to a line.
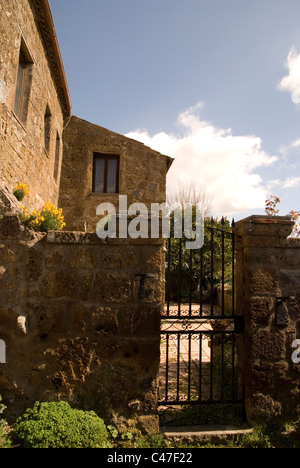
pixel 34 99
pixel 73 322
pixel 80 316
pixel 62 159
pixel 98 165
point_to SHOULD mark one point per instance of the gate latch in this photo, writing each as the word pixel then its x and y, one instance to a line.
pixel 282 317
pixel 143 276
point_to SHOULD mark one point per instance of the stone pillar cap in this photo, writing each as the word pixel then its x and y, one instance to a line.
pixel 266 226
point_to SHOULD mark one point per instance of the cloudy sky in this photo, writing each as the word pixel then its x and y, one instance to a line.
pixel 213 83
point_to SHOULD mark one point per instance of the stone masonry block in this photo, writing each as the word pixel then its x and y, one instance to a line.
pixel 263 408
pixel 264 282
pixel 61 283
pixel 105 321
pixel 112 287
pixel 140 320
pixel 35 264
pixel 10 226
pixel 262 376
pixel 153 259
pixel 268 346
pixel 83 257
pixel 114 257
pixel 261 310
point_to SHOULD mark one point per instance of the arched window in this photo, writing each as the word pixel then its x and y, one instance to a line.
pixel 47 129
pixel 23 84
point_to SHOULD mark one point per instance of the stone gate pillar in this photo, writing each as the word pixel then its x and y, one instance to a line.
pixel 268 295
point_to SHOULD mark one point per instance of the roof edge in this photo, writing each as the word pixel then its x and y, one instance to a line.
pixel 46 22
pixel 169 159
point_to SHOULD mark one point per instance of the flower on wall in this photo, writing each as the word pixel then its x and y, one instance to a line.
pixel 272 210
pixel 21 191
pixel 48 218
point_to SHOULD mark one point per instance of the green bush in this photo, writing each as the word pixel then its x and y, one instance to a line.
pixel 57 425
pixel 258 439
pixel 4 439
pixel 2 408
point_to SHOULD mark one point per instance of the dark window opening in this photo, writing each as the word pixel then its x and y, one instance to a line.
pixel 47 129
pixel 23 85
pixel 57 157
pixel 106 173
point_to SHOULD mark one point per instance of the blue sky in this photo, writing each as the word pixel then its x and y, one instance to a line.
pixel 213 83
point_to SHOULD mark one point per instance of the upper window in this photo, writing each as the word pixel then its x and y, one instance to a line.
pixel 24 78
pixel 106 173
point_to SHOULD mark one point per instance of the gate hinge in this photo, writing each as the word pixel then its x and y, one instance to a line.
pixel 239 324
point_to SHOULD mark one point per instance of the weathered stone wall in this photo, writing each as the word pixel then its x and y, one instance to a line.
pixel 142 173
pixel 75 325
pixel 268 265
pixel 22 153
pixel 72 317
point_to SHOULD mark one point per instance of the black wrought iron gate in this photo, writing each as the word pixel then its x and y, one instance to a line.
pixel 201 363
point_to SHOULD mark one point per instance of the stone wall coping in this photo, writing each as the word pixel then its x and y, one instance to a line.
pixel 265 226
pixel 293 243
pixel 265 219
pixel 87 238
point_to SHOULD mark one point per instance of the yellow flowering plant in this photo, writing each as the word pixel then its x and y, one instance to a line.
pixel 48 218
pixel 21 191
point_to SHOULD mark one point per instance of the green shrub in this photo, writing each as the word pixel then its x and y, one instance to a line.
pixel 258 439
pixel 57 425
pixel 2 408
pixel 49 218
pixel 4 429
pixel 5 441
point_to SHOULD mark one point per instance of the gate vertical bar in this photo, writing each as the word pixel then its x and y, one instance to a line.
pixel 179 277
pixel 178 367
pixel 189 366
pixel 212 267
pixel 169 277
pixel 190 281
pixel 211 365
pixel 233 366
pixel 167 367
pixel 222 366
pixel 233 268
pixel 200 367
pixel 223 268
pixel 201 282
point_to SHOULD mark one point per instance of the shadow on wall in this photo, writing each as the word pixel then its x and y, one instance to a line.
pixel 2 352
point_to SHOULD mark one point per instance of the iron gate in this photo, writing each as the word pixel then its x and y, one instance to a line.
pixel 201 365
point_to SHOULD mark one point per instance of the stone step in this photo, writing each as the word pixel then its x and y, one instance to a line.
pixel 204 434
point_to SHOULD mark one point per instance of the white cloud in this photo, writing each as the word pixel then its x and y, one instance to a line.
pixel 291 82
pixel 273 183
pixel 225 164
pixel 291 182
pixel 296 144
